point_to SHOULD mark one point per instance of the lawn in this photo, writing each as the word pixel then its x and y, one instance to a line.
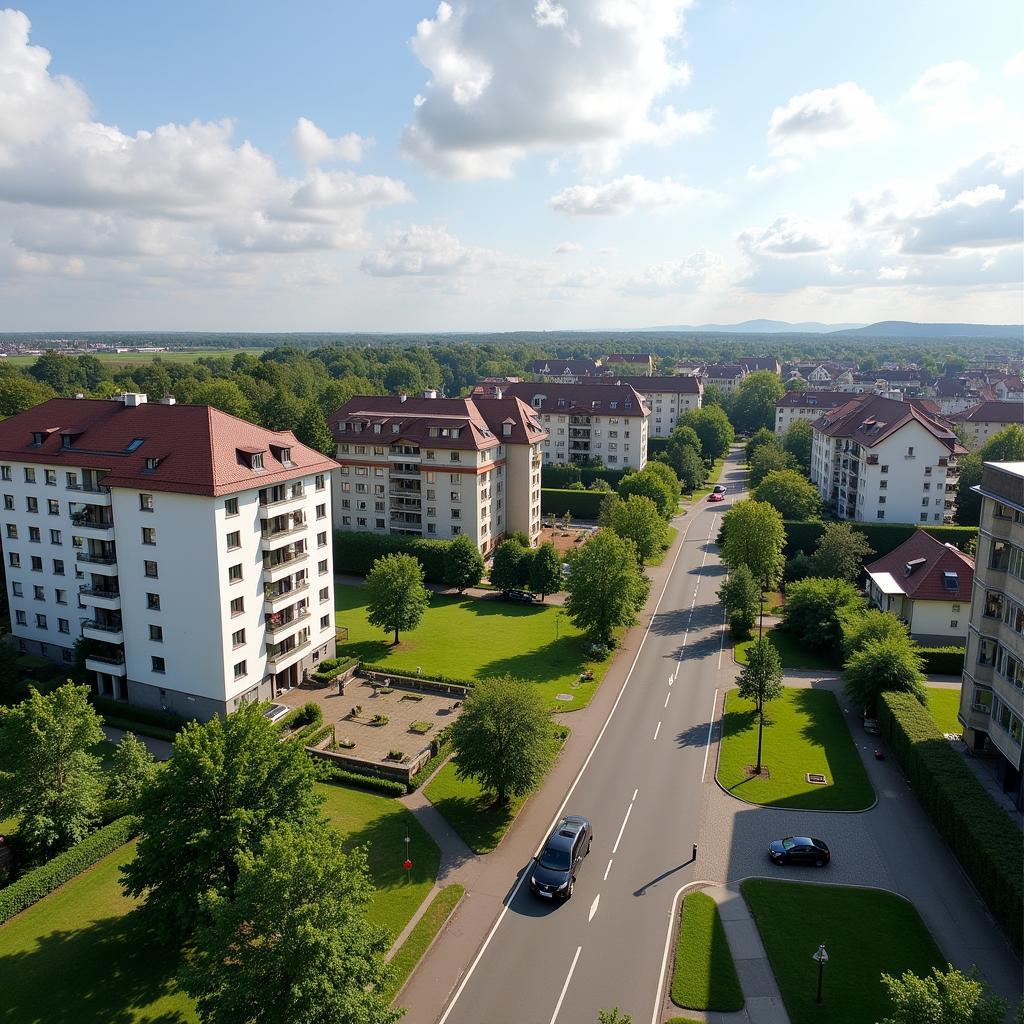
pixel 129 359
pixel 943 705
pixel 471 638
pixel 80 956
pixel 793 655
pixel 705 975
pixel 865 931
pixel 670 536
pixel 804 732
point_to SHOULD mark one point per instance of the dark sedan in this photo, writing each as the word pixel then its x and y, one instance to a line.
pixel 554 874
pixel 799 850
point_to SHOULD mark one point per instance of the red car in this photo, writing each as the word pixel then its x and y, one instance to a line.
pixel 716 496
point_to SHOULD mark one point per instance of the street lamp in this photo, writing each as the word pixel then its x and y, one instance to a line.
pixel 822 957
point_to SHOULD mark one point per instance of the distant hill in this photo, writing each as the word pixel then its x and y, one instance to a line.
pixel 906 329
pixel 760 327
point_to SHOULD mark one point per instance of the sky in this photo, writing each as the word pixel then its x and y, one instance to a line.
pixel 490 165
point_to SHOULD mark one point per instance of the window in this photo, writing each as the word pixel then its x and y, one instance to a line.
pixel 325 621
pixel 53 507
pixel 58 567
pixel 234 540
pixel 153 602
pixel 40 621
pixel 321 539
pixel 924 501
pixel 63 626
pixel 321 510
pixel 321 567
pixel 30 475
pixel 16 589
pixel 880 514
pixel 50 475
pixel 156 633
pixel 39 593
pixel 148 535
pixel 152 463
pixel 238 638
pixel 240 670
pixel 231 506
pixel 150 569
pixel 234 573
pixel 55 537
pixel 910 452
pixel 31 504
pixel 320 481
pixel 37 564
pixel 19 617
pixel 885 469
pixel 9 502
pixel 924 517
pixel 256 460
pixel 71 479
pixel 456 530
pixel 33 534
pixel 237 605
pixel 158 664
pixel 12 531
pixel 325 593
pixel 5 472
pixel 60 596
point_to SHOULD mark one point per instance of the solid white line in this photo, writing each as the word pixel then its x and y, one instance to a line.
pixel 656 731
pixel 593 908
pixel 656 1016
pixel 635 791
pixel 572 789
pixel 565 987
pixel 607 869
pixel 666 698
pixel 711 725
pixel 615 848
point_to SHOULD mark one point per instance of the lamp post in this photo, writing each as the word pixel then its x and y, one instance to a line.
pixel 822 957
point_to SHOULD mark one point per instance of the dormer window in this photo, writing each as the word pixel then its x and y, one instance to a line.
pixel 506 429
pixel 282 453
pixel 342 426
pixel 396 427
pixel 37 438
pixel 376 428
pixel 256 460
pixel 152 463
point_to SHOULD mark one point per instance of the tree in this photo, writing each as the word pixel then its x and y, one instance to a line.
pixel 58 371
pixel 761 436
pixel 48 776
pixel 715 396
pixel 1006 446
pixel 684 436
pixel 606 587
pixel 13 688
pixel 667 475
pixel 19 392
pixel 546 570
pixel 638 519
pixel 131 770
pixel 657 482
pixel 294 943
pixel 225 395
pixel 840 552
pixel 613 1017
pixel 767 459
pixel 944 997
pixel 760 681
pixel 606 509
pixel 798 441
pixel 691 470
pixel 797 383
pixel 600 484
pixel 860 627
pixel 312 430
pixel 753 535
pixel 741 596
pixel 753 405
pixel 396 597
pixel 891 663
pixel 463 563
pixel 503 738
pixel 510 567
pixel 229 783
pixel 713 428
pixel 814 610
pixel 791 493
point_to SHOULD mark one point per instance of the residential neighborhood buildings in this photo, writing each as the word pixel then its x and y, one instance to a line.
pixel 565 370
pixel 726 376
pixel 992 696
pixel 630 362
pixel 190 549
pixel 667 397
pixel 983 421
pixel 806 405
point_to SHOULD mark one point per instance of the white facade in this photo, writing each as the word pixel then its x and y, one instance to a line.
pixel 619 441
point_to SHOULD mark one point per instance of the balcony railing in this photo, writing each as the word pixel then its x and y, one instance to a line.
pixel 291 559
pixel 85 519
pixel 105 627
pixel 90 591
pixel 276 627
pixel 85 556
pixel 285 531
pixel 107 659
pixel 275 655
pixel 89 488
pixel 271 501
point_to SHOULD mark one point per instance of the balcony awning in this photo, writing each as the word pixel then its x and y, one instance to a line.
pixel 885 582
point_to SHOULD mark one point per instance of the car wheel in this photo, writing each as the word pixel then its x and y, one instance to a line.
pixel 590 843
pixel 818 863
pixel 571 889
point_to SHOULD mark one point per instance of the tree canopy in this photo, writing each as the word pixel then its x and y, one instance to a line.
pixel 760 681
pixel 889 663
pixel 546 570
pixel 396 597
pixel 814 611
pixel 840 552
pixel 753 535
pixel 798 441
pixel 791 493
pixel 760 436
pixel 638 519
pixel 943 997
pixel 510 567
pixel 463 563
pixel 712 426
pixel 650 483
pixel 753 405
pixel 1006 446
pixel 768 458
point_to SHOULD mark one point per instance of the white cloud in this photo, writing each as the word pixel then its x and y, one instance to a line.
pixel 789 235
pixel 1014 67
pixel 698 272
pixel 314 146
pixel 422 250
pixel 627 194
pixel 787 165
pixel 564 248
pixel 843 115
pixel 599 74
pixel 941 80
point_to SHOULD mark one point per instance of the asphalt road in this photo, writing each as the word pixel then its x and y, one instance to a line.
pixel 641 788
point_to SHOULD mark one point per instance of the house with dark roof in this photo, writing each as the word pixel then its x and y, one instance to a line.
pixel 986 419
pixel 725 376
pixel 928 585
pixel 631 362
pixel 754 363
pixel 566 370
pixel 806 405
pixel 668 397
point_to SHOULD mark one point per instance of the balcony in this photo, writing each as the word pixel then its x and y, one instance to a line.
pixel 96 629
pixel 278 658
pixel 275 601
pixel 404 471
pixel 281 500
pixel 91 525
pixel 270 540
pixel 112 665
pixel 280 626
pixel 100 597
pixel 98 494
pixel 410 456
pixel 99 565
pixel 279 568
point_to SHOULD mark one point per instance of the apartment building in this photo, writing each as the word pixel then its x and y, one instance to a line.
pixel 568 371
pixel 992 696
pixel 191 549
pixel 438 467
pixel 725 376
pixel 630 362
pixel 806 405
pixel 880 459
pixel 986 419
pixel 668 398
pixel 589 421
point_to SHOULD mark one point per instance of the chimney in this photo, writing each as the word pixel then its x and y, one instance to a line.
pixel 79 394
pixel 134 398
pixel 497 391
pixel 402 396
pixel 430 393
pixel 167 400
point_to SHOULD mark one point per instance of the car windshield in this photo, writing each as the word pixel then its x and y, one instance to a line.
pixel 788 844
pixel 554 859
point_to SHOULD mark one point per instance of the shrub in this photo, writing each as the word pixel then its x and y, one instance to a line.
pixel 308 714
pixel 355 553
pixel 40 882
pixel 982 836
pixel 385 690
pixel 859 626
pixel 946 661
pixel 343 777
pixel 411 696
pixel 582 504
pixel 319 734
pixel 140 728
pixel 396 755
pixel 813 611
pixel 132 713
pixel 379 720
pixel 421 728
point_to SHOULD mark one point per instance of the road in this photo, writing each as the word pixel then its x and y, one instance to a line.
pixel 641 788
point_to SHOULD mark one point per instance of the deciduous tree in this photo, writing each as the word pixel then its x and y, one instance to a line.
pixel 396 597
pixel 814 610
pixel 713 428
pixel 891 663
pixel 840 552
pixel 791 493
pixel 741 596
pixel 546 570
pixel 753 535
pixel 510 567
pixel 760 437
pixel 862 626
pixel 943 997
pixel 463 563
pixel 638 519
pixel 768 458
pixel 798 441
pixel 312 429
pixel 760 681
pixel 1006 446
pixel 753 405
pixel 131 770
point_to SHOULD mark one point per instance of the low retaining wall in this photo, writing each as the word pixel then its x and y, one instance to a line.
pixel 399 772
pixel 400 682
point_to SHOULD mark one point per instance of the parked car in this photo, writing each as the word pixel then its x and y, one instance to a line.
pixel 719 489
pixel 275 712
pixel 522 596
pixel 716 496
pixel 554 874
pixel 871 725
pixel 799 850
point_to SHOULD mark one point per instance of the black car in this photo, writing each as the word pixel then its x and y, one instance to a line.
pixel 522 596
pixel 554 874
pixel 799 850
pixel 719 489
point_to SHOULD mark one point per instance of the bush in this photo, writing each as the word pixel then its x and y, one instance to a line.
pixel 379 720
pixel 308 714
pixel 133 713
pixel 814 609
pixel 581 504
pixel 420 728
pixel 946 661
pixel 141 728
pixel 441 746
pixel 341 777
pixel 982 836
pixel 318 734
pixel 355 553
pixel 40 882
pixel 331 668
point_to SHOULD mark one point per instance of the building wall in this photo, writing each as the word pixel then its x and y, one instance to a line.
pixel 944 621
pixel 522 487
pixel 620 442
pixel 980 432
pixel 666 408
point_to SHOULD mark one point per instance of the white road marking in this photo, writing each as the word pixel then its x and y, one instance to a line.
pixel 656 731
pixel 615 848
pixel 607 869
pixel 565 987
pixel 711 725
pixel 593 908
pixel 635 791
pixel 672 918
pixel 689 619
pixel 666 698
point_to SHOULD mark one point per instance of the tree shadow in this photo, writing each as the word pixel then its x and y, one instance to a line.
pixel 369 651
pixel 564 656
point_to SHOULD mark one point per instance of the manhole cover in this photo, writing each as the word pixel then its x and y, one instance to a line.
pixel 816 779
pixel 564 696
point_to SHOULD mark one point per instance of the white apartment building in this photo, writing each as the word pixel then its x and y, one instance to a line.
pixel 191 549
pixel 992 696
pixel 667 397
pixel 983 421
pixel 438 467
pixel 725 376
pixel 589 421
pixel 806 405
pixel 880 459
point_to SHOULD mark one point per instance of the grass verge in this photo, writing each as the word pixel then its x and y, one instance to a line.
pixel 670 536
pixel 804 733
pixel 943 705
pixel 865 931
pixel 705 975
pixel 419 939
pixel 792 654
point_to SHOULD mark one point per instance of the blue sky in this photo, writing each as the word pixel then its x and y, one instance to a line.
pixel 509 164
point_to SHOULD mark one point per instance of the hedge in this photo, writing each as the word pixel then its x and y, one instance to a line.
pixel 442 748
pixel 41 881
pixel 946 661
pixel 656 445
pixel 580 504
pixel 302 717
pixel 883 537
pixel 341 777
pixel 156 732
pixel 318 734
pixel 355 553
pixel 330 668
pixel 556 477
pixel 982 836
pixel 132 712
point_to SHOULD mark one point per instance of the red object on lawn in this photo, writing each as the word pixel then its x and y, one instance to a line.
pixel 879 755
pixel 407 865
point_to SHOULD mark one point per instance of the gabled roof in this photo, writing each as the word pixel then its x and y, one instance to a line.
pixel 201 450
pixel 724 371
pixel 929 562
pixel 681 384
pixel 755 363
pixel 590 397
pixel 870 419
pixel 992 412
pixel 556 367
pixel 814 399
pixel 646 358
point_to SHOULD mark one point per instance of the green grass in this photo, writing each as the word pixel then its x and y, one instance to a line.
pixel 943 705
pixel 865 931
pixel 804 732
pixel 791 652
pixel 419 939
pixel 138 358
pixel 469 809
pixel 80 956
pixel 715 472
pixel 670 536
pixel 493 638
pixel 705 975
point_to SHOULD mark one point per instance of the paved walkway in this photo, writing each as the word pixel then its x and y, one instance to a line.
pixel 160 749
pixel 348 580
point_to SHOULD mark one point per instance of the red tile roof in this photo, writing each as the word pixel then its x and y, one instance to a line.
pixel 680 383
pixel 815 399
pixel 869 419
pixel 992 412
pixel 200 448
pixel 929 560
pixel 590 397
